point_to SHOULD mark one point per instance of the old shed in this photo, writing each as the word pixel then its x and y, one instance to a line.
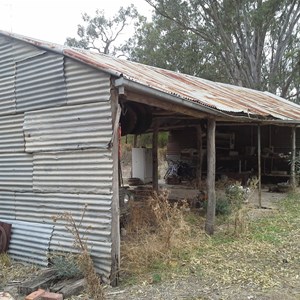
pixel 60 110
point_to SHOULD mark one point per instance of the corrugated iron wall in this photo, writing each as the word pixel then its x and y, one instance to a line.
pixel 40 82
pixel 82 171
pixel 71 127
pixel 55 127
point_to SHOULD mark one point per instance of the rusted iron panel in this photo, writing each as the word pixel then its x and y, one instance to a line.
pixel 222 97
pixel 86 171
pixel 68 128
pixel 16 171
pixel 95 225
pixel 7 95
pixel 7 205
pixel 11 134
pixel 30 241
pixel 40 82
pixel 85 84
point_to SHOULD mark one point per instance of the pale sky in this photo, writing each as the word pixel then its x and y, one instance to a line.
pixel 54 20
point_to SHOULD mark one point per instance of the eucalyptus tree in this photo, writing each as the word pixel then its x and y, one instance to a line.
pixel 252 43
pixel 102 34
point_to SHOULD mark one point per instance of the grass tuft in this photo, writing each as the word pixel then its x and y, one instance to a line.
pixel 263 252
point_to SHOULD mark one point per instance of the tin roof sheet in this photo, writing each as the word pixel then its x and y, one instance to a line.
pixel 218 96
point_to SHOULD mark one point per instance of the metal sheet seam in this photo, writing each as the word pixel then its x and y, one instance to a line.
pixel 75 55
pixel 29 57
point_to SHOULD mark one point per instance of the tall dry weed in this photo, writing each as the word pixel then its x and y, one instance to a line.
pixel 84 260
pixel 155 230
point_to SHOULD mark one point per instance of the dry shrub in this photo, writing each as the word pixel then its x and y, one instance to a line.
pixel 169 219
pixel 86 265
pixel 241 221
pixel 155 231
pixel 84 260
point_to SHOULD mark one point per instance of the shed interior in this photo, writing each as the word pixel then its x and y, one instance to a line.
pixel 185 153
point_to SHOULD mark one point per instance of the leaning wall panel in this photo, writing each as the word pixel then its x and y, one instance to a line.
pixel 30 241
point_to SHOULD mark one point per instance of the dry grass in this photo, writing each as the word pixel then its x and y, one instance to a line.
pixel 266 256
pixel 12 271
pixel 262 254
pixel 166 241
pixel 156 232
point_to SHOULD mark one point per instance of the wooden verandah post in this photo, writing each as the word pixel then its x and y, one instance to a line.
pixel 293 160
pixel 155 157
pixel 259 164
pixel 115 208
pixel 199 160
pixel 211 176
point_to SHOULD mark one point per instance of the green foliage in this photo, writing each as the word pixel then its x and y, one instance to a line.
pixel 250 43
pixel 235 194
pixel 274 228
pixel 162 43
pixel 297 163
pixel 65 265
pixel 156 278
pixel 163 139
pixel 223 207
pixel 100 33
pixel 232 202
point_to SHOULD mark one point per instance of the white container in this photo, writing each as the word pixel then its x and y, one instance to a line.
pixel 142 164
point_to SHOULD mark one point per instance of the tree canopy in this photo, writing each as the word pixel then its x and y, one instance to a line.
pixel 100 33
pixel 252 43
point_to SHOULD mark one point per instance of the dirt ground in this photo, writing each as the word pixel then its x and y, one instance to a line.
pixel 199 286
pixel 195 288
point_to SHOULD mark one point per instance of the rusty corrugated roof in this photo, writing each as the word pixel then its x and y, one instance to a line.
pixel 218 96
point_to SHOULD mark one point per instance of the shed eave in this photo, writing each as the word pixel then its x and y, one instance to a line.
pixel 215 113
pixel 140 88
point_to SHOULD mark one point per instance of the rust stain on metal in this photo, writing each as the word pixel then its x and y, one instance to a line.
pixel 223 97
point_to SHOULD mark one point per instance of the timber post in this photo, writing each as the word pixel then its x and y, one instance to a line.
pixel 259 164
pixel 155 157
pixel 115 222
pixel 199 160
pixel 293 160
pixel 211 176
